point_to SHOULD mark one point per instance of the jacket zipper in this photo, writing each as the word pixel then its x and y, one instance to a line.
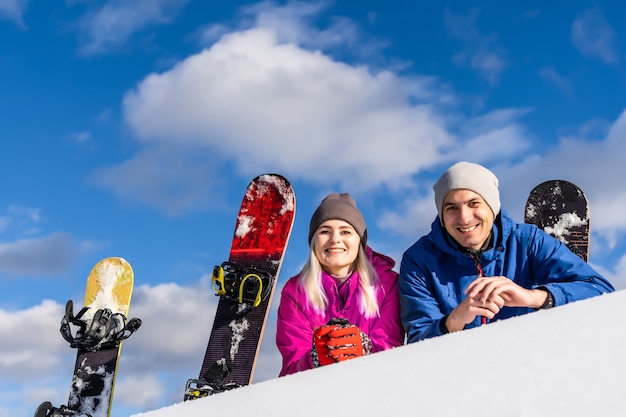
pixel 479 269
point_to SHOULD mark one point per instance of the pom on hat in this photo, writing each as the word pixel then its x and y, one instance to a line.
pixel 339 207
pixel 468 176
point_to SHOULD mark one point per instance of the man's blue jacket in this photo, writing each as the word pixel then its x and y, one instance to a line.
pixel 435 272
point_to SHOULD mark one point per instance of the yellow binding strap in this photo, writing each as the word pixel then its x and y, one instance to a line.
pixel 257 299
pixel 218 280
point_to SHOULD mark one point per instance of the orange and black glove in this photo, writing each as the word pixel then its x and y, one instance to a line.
pixel 348 343
pixel 338 341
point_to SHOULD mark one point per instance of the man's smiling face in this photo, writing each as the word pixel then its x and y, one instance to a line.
pixel 467 218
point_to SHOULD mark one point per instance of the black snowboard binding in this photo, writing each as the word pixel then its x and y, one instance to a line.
pixel 245 285
pixel 213 382
pixel 47 410
pixel 104 331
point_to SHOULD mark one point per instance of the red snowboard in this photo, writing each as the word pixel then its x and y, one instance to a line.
pixel 246 284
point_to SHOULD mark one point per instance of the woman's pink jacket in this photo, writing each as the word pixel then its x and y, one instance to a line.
pixel 297 320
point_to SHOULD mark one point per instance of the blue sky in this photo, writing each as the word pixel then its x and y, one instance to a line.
pixel 131 128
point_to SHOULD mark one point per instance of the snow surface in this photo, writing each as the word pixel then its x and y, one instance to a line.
pixel 567 361
pixel 96 406
pixel 561 228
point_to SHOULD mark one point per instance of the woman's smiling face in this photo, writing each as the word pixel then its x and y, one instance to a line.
pixel 336 246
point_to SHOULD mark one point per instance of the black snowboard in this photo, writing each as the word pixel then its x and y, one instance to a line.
pixel 107 295
pixel 261 235
pixel 561 209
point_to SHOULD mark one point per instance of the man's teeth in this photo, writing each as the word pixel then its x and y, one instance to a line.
pixel 468 229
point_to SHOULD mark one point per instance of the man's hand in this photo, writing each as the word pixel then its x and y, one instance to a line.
pixel 471 307
pixel 490 289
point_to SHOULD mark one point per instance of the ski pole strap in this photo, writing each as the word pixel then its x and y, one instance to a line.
pixel 245 285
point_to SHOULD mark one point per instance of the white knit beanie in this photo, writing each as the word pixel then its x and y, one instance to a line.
pixel 468 176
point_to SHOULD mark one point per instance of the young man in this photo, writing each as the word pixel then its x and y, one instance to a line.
pixel 478 265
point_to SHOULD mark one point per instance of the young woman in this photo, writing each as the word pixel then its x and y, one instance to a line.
pixel 344 303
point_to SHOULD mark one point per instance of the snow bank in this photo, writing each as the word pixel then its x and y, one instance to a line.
pixel 568 361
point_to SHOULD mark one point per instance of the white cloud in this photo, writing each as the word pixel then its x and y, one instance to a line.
pixel 259 102
pixel 292 24
pixel 156 361
pixel 139 391
pixel 480 52
pixel 20 221
pixel 595 165
pixel 81 137
pixel 173 177
pixel 553 77
pixel 32 346
pixel 14 10
pixel 169 346
pixel 269 363
pixel 176 324
pixel 263 104
pixel 26 250
pixel 488 63
pixel 111 25
pixel 593 36
pixel 41 255
pixel 31 214
pixel 617 276
pixel 600 164
pixel 499 131
pixel 5 222
pixel 411 218
pixel 488 139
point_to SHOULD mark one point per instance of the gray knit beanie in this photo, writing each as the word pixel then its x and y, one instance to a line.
pixel 339 207
pixel 468 176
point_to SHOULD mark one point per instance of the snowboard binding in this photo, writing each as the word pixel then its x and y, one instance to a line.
pixel 104 331
pixel 245 285
pixel 200 388
pixel 46 409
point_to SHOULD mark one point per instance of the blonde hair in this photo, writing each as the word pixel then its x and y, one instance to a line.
pixel 310 280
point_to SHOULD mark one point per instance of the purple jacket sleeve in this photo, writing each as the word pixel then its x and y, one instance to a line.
pixel 294 333
pixel 386 330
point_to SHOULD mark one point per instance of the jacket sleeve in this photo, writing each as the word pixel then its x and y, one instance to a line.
pixel 386 331
pixel 420 312
pixel 563 273
pixel 294 334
